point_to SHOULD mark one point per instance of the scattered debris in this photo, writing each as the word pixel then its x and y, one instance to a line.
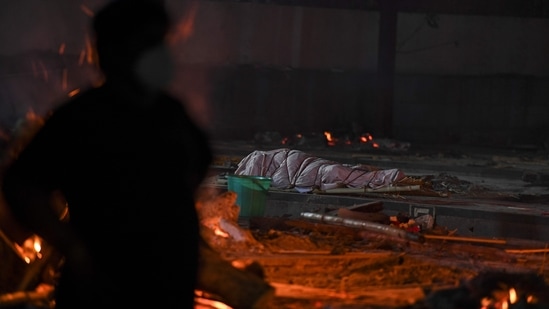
pixel 371 226
pixel 331 261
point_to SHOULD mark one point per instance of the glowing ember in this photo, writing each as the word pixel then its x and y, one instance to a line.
pixel 512 296
pixel 504 299
pixel 201 302
pixel 366 137
pixel 30 250
pixel 238 264
pixel 90 51
pixel 350 139
pixel 504 305
pixel 74 92
pixel 330 139
pixel 219 232
pixel 37 245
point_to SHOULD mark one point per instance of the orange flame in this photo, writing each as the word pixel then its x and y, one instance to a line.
pixel 74 92
pixel 90 51
pixel 366 137
pixel 329 138
pixel 203 303
pixel 503 299
pixel 512 295
pixel 220 232
pixel 30 249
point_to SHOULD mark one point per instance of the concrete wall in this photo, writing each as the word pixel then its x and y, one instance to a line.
pixel 250 67
pixel 490 110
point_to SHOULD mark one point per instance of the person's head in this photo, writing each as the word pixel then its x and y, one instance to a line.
pixel 130 40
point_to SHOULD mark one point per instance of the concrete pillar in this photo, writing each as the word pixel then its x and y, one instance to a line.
pixel 386 67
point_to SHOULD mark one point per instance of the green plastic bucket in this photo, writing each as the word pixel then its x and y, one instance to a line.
pixel 251 192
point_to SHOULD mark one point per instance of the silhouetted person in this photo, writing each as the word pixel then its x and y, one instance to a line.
pixel 128 159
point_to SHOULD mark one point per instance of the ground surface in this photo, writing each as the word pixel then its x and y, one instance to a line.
pixel 318 265
pixel 346 268
pixel 315 265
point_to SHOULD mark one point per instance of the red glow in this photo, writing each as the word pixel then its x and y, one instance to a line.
pixel 185 27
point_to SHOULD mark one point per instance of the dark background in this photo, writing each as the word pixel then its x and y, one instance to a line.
pixel 439 72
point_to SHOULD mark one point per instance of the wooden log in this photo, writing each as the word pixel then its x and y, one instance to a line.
pixel 236 287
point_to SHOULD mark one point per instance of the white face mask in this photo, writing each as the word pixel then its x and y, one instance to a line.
pixel 155 67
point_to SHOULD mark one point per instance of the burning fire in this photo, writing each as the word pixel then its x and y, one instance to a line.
pixel 202 301
pixel 31 249
pixel 328 138
pixel 364 138
pixel 504 299
pixel 220 232
pixel 332 141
